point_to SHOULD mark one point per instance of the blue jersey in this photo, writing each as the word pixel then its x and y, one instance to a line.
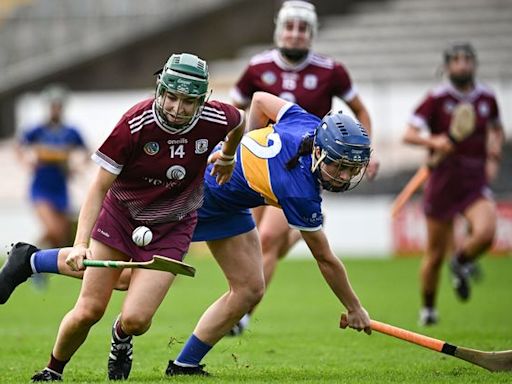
pixel 261 177
pixel 49 179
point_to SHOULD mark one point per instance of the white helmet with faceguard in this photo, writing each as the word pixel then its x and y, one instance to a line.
pixel 289 12
pixel 183 76
pixel 341 152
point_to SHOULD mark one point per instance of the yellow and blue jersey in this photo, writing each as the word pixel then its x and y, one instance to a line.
pixel 52 146
pixel 260 178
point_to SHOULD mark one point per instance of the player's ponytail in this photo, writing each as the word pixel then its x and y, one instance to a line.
pixel 305 148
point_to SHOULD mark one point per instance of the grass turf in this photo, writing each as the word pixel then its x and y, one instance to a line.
pixel 293 337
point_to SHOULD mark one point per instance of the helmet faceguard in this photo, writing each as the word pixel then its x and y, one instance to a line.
pixel 341 153
pixel 185 78
pixel 291 11
pixel 466 49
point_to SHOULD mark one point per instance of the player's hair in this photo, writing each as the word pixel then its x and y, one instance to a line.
pixel 305 148
pixel 460 47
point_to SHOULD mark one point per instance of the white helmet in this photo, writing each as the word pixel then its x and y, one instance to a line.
pixel 295 9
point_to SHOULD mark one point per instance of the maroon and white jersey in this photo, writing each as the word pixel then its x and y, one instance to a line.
pixel 311 84
pixel 460 178
pixel 434 114
pixel 160 174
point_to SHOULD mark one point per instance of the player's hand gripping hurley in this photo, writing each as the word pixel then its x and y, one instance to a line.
pixel 493 361
pixel 462 125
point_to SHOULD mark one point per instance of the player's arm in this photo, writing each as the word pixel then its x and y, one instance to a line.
pixel 88 215
pixel 495 140
pixel 361 113
pixel 224 160
pixel 440 143
pixel 336 276
pixel 264 107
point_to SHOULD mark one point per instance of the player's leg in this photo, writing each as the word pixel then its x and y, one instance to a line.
pixel 439 238
pixel 482 218
pixel 147 290
pixel 91 304
pixel 274 236
pixel 56 225
pixel 240 260
pixel 25 259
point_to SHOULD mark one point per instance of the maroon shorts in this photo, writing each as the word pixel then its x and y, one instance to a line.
pixel 114 228
pixel 453 187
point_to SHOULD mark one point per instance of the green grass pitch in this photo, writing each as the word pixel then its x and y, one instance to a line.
pixel 294 336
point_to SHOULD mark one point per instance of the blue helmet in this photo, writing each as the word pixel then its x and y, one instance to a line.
pixel 342 141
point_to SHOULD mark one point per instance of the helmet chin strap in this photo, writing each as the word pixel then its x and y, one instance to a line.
pixel 315 163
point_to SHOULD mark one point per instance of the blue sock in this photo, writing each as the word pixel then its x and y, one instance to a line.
pixel 193 352
pixel 46 260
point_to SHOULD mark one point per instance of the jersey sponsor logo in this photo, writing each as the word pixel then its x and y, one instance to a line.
pixel 310 81
pixel 176 172
pixel 161 183
pixel 104 233
pixel 201 146
pixel 151 148
pixel 179 141
pixel 314 219
pixel 483 108
pixel 269 77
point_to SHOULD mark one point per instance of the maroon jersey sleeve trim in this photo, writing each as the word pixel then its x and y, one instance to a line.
pixel 106 163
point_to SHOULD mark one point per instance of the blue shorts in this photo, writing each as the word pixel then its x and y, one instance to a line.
pixel 49 185
pixel 218 221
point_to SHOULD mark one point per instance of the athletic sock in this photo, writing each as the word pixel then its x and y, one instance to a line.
pixel 428 300
pixel 45 260
pixel 192 353
pixel 119 333
pixel 56 365
pixel 245 320
pixel 461 257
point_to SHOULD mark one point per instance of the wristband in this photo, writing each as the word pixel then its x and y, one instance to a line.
pixel 225 162
pixel 227 157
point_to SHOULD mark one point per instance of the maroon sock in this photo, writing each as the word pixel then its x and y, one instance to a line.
pixel 429 300
pixel 57 365
pixel 121 335
pixel 462 258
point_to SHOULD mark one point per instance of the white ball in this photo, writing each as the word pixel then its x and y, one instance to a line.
pixel 142 236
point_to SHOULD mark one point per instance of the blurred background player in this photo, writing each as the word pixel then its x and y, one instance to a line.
pixel 46 149
pixel 295 73
pixel 459 184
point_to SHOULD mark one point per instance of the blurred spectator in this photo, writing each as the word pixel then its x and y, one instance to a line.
pixel 46 149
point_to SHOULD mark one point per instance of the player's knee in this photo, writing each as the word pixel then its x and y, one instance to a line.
pixel 486 237
pixel 271 243
pixel 136 324
pixel 123 282
pixel 254 292
pixel 90 314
